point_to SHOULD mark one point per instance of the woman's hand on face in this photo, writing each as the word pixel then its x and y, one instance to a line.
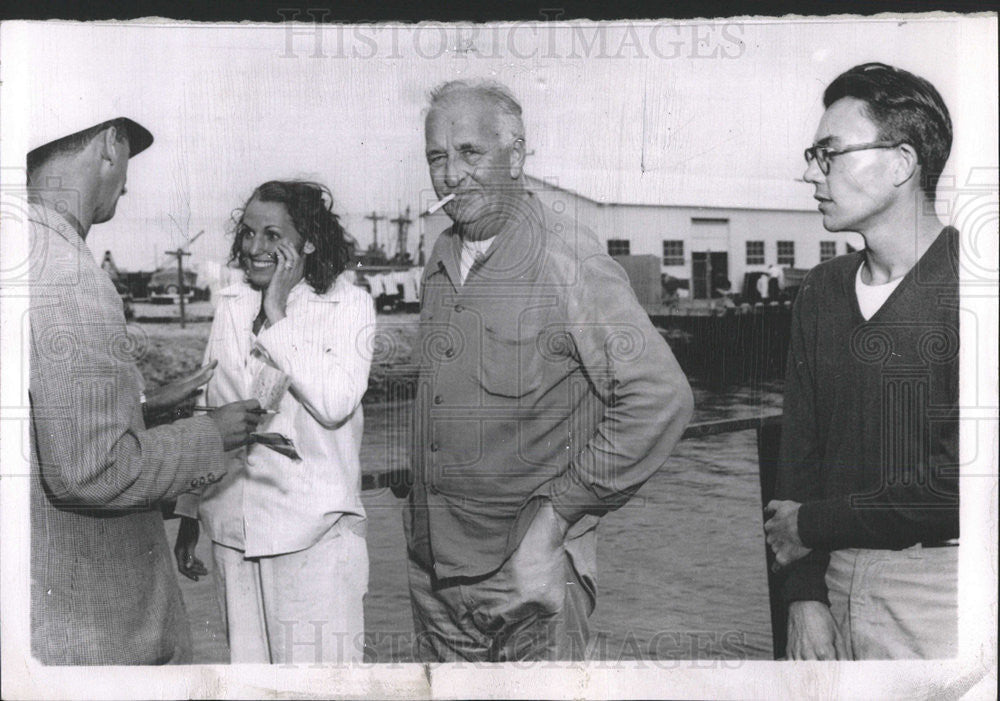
pixel 287 273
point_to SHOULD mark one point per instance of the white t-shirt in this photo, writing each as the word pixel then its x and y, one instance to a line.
pixel 872 297
pixel 471 252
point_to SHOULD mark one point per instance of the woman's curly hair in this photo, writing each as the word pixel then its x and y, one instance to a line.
pixel 310 205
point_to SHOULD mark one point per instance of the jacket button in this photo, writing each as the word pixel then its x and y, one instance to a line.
pixel 435 447
pixel 438 399
pixel 450 353
pixel 459 308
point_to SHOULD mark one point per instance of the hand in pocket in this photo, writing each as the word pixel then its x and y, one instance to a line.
pixel 537 567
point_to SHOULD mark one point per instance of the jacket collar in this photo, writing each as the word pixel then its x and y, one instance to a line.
pixel 63 223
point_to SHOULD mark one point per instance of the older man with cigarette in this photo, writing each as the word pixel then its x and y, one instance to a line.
pixel 546 399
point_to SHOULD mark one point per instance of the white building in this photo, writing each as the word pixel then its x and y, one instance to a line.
pixel 712 234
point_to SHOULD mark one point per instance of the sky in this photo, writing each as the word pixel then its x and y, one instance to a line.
pixel 664 112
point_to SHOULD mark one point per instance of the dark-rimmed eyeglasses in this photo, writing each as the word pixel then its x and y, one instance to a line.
pixel 823 155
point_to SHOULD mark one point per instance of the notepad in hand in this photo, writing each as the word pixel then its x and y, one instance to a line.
pixel 269 386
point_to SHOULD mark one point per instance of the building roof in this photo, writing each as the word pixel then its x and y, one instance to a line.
pixel 659 189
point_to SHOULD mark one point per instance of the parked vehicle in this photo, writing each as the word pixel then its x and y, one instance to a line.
pixel 163 286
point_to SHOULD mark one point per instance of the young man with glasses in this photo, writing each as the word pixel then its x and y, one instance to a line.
pixel 866 521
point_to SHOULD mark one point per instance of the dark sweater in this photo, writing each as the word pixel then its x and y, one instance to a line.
pixel 870 435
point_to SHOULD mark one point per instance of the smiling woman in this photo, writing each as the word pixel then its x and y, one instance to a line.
pixel 299 213
pixel 265 227
pixel 288 530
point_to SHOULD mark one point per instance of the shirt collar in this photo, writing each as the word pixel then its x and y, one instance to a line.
pixel 518 249
pixel 513 251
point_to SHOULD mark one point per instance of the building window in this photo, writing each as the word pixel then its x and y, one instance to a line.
pixel 619 247
pixel 673 253
pixel 827 250
pixel 786 253
pixel 755 252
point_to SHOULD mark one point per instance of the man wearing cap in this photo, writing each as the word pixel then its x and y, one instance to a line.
pixel 866 523
pixel 103 590
pixel 546 398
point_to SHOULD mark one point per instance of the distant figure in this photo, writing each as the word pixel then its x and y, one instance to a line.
pixel 108 266
pixel 866 516
pixel 103 590
pixel 725 293
pixel 288 536
pixel 670 287
pixel 534 418
pixel 763 286
pixel 776 284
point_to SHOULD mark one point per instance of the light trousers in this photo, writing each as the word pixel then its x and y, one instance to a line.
pixel 305 607
pixel 896 604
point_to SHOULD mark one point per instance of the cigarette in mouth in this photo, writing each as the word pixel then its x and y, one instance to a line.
pixel 439 204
